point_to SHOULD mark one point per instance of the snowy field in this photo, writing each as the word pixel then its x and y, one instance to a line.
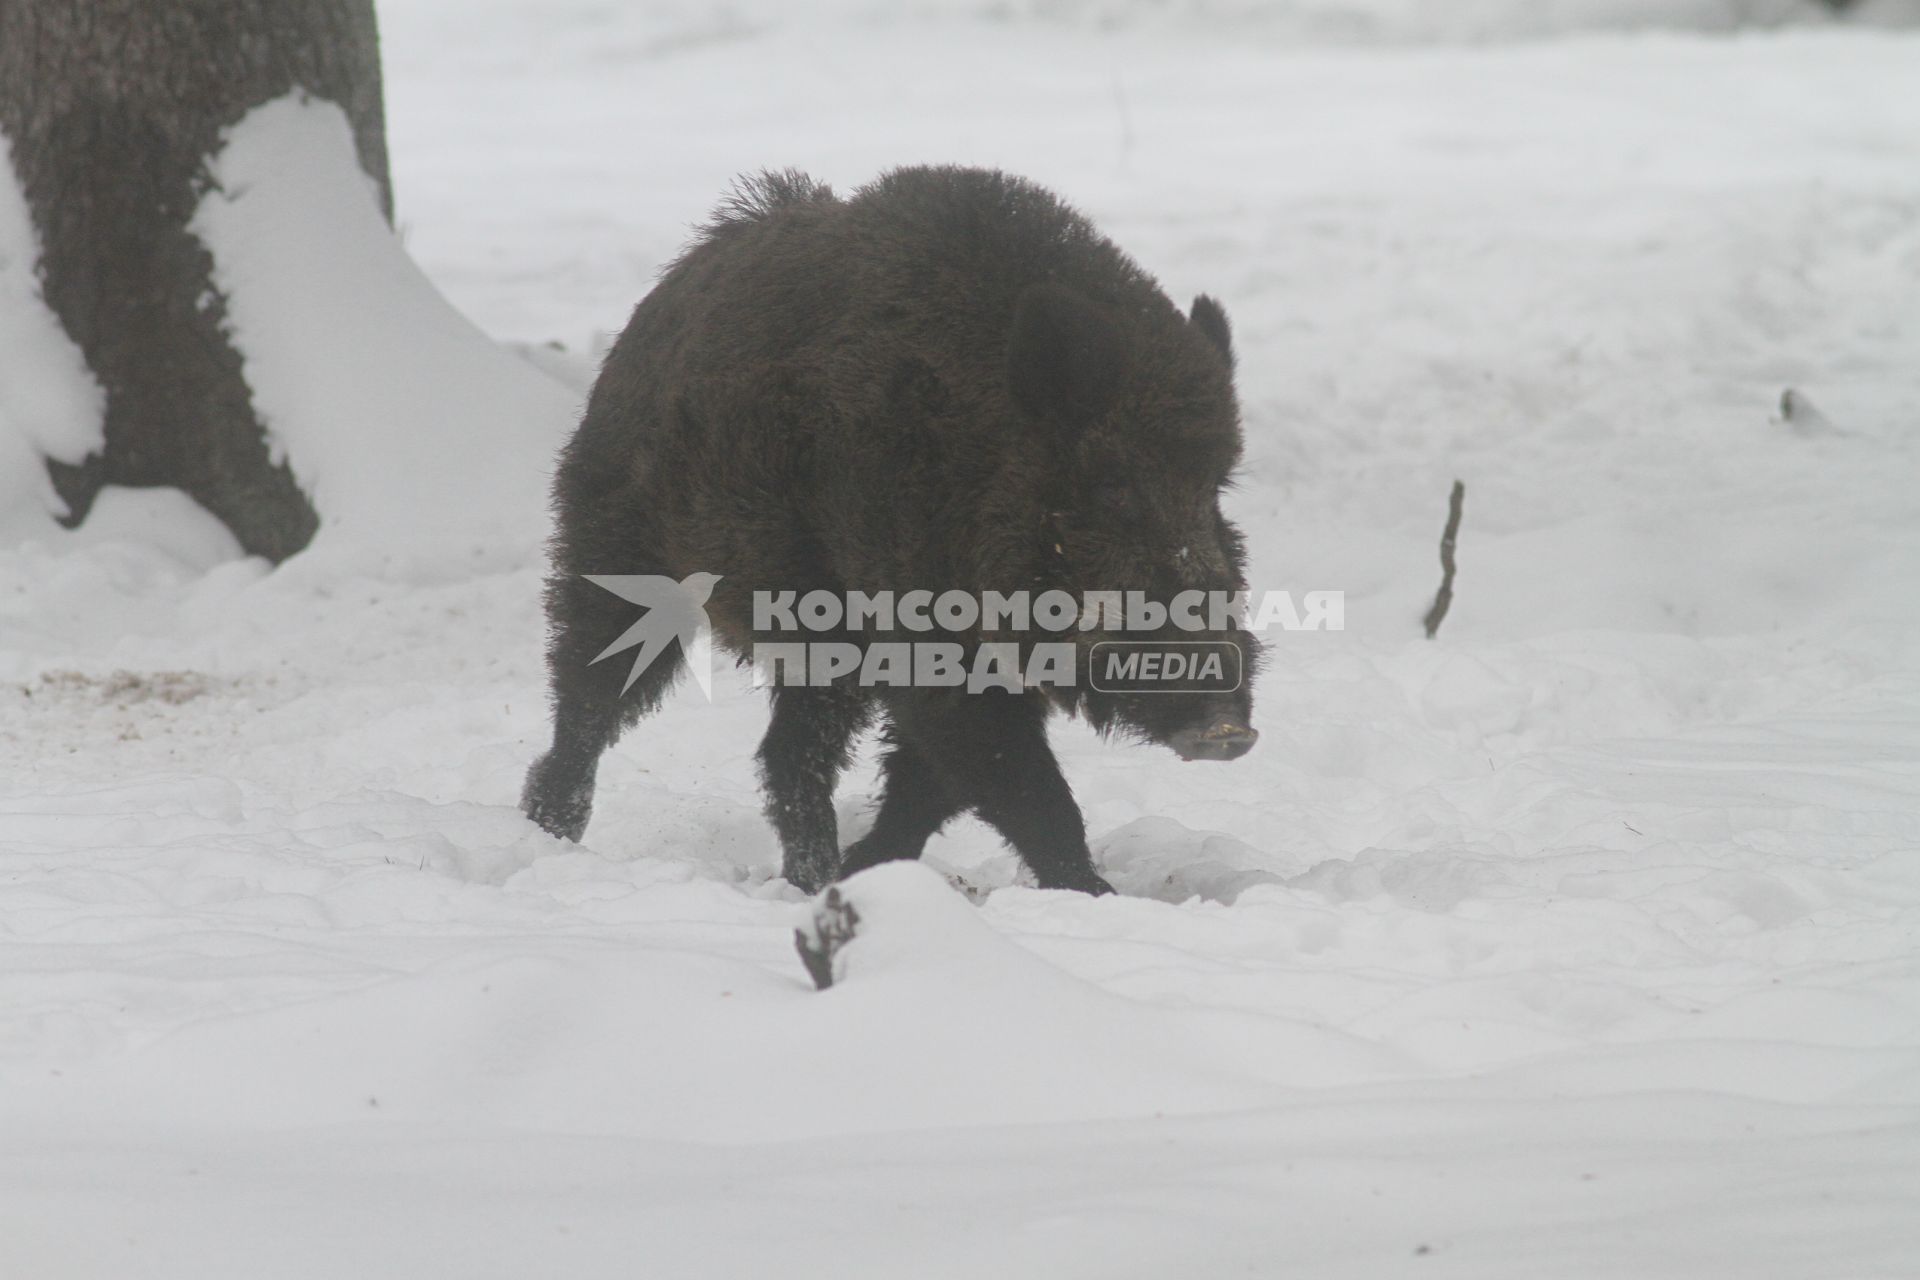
pixel 1583 941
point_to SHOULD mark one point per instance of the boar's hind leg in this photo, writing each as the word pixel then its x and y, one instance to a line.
pixel 914 805
pixel 992 749
pixel 801 758
pixel 590 708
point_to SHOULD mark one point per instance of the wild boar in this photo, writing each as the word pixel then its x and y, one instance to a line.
pixel 949 381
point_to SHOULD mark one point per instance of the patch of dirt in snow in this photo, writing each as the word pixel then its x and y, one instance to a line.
pixel 121 688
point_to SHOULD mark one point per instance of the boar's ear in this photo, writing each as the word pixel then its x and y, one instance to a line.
pixel 1065 356
pixel 1210 318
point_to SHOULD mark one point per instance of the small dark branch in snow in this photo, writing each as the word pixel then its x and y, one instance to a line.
pixel 832 927
pixel 1444 597
pixel 1802 416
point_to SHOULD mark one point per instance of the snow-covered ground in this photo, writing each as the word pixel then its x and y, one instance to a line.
pixel 1581 941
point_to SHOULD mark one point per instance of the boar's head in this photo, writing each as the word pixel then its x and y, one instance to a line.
pixel 1140 432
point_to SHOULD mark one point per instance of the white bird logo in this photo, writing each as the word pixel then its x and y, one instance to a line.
pixel 675 611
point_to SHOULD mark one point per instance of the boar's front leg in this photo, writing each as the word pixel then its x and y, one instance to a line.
pixel 801 758
pixel 915 803
pixel 991 748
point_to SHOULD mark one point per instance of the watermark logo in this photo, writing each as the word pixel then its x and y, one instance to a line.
pixel 1163 666
pixel 1054 611
pixel 675 610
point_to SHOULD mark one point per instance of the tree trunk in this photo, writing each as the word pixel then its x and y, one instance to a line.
pixel 112 108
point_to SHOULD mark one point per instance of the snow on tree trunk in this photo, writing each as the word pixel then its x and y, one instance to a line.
pixel 111 110
pixel 415 433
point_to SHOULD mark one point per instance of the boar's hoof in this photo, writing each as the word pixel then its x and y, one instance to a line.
pixel 1088 881
pixel 557 806
pixel 810 875
pixel 1222 741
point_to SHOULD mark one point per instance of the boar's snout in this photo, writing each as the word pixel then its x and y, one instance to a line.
pixel 1221 740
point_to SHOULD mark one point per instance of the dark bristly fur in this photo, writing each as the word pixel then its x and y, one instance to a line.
pixel 948 381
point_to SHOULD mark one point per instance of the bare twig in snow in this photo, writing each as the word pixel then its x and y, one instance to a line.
pixel 1444 596
pixel 1803 417
pixel 831 928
